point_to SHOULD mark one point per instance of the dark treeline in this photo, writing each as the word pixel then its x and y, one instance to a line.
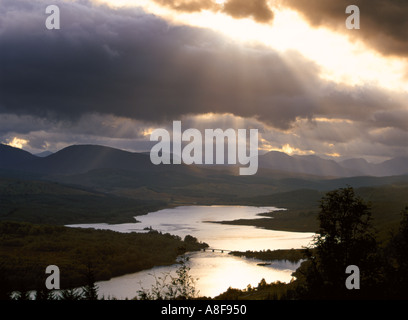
pixel 27 249
pixel 292 255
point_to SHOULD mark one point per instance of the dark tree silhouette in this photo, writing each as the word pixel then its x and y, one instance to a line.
pixel 169 287
pixel 71 294
pixel 397 261
pixel 5 285
pixel 90 290
pixel 345 237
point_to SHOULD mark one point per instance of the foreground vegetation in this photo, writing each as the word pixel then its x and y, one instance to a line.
pixel 346 236
pixel 27 249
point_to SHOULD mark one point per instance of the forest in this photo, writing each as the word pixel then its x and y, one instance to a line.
pixel 27 249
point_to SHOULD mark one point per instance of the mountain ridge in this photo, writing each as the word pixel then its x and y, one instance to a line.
pixel 77 159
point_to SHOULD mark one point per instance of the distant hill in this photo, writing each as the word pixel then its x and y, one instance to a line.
pixel 83 158
pixel 360 165
pixel 75 159
pixel 394 166
pixel 54 203
pixel 315 165
pixel 43 154
pixel 304 164
pixel 386 203
pixel 80 159
pixel 13 157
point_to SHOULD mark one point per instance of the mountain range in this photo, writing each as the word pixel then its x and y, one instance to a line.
pixel 311 164
pixel 80 159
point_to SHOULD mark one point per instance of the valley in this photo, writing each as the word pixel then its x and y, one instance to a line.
pixel 96 184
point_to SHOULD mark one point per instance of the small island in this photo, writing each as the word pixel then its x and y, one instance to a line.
pixel 292 255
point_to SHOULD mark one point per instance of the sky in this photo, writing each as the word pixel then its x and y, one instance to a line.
pixel 116 70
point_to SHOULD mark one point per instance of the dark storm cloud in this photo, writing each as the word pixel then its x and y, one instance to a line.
pixel 130 64
pixel 391 137
pixel 392 119
pixel 135 65
pixel 383 23
pixel 255 9
pixel 188 5
pixel 355 103
pixel 47 134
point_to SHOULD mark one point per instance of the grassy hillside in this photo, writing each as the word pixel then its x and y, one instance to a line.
pixel 386 204
pixel 215 185
pixel 52 203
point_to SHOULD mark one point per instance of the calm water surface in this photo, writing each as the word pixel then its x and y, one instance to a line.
pixel 215 271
